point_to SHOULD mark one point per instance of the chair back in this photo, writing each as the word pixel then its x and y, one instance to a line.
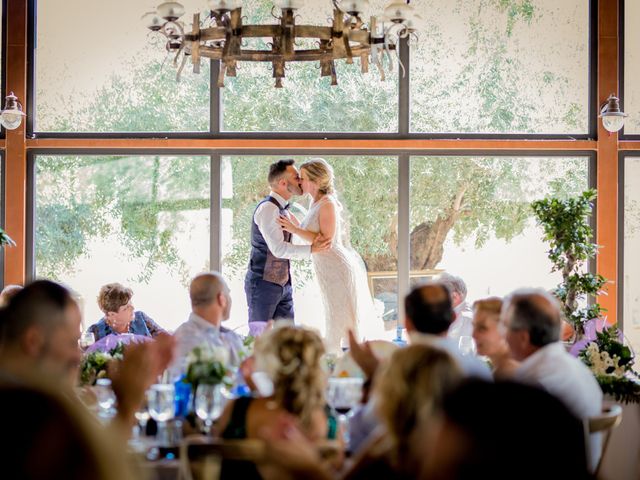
pixel 609 419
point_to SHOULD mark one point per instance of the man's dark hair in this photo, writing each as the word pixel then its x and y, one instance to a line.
pixel 40 303
pixel 276 170
pixel 429 314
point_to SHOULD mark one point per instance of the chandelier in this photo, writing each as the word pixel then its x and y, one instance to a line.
pixel 222 36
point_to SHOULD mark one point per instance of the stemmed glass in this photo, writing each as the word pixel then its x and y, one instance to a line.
pixel 344 394
pixel 467 345
pixel 86 340
pixel 142 416
pixel 210 401
pixel 161 401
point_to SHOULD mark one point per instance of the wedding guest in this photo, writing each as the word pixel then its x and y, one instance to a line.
pixel 291 357
pixel 8 293
pixel 490 338
pixel 533 321
pixel 406 394
pixel 462 323
pixel 504 430
pixel 120 316
pixel 210 306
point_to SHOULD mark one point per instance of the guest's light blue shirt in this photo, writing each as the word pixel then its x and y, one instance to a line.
pixel 197 332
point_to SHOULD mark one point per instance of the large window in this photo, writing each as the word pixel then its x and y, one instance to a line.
pixel 139 220
pixel 631 67
pixel 367 189
pixel 631 239
pixel 506 67
pixel 307 102
pixel 97 69
pixel 470 216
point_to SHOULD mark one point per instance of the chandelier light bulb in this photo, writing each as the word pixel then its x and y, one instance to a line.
pixel 152 21
pixel 223 6
pixel 170 11
pixel 398 11
pixel 289 4
pixel 355 7
pixel 612 116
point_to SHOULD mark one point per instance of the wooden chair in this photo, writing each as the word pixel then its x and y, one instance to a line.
pixel 610 418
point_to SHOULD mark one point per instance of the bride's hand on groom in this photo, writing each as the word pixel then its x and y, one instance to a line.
pixel 287 225
pixel 320 243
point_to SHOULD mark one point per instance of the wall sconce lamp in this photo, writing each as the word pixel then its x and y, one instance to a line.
pixel 11 115
pixel 612 116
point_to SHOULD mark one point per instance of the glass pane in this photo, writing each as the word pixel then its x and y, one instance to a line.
pixel 98 69
pixel 308 103
pixel 631 67
pixel 631 267
pixel 501 67
pixel 142 221
pixel 367 189
pixel 470 216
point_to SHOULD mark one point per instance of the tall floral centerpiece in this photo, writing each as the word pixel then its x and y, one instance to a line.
pixel 566 227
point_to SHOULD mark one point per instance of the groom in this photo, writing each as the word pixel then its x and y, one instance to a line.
pixel 268 280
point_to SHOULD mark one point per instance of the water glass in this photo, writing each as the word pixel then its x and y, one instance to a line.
pixel 160 399
pixel 467 345
pixel 209 403
pixel 86 340
pixel 105 398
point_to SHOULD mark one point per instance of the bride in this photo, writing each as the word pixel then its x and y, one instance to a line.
pixel 340 270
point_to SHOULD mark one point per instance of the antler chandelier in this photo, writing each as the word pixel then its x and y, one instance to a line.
pixel 222 34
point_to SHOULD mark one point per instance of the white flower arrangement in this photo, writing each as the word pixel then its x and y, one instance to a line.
pixel 602 363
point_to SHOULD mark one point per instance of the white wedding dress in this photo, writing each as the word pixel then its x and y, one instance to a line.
pixel 343 282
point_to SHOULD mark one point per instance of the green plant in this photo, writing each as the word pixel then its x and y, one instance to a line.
pixel 208 365
pixel 6 239
pixel 566 227
pixel 95 364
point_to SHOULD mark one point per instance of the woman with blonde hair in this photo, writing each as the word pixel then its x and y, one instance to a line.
pixel 292 358
pixel 490 340
pixel 406 394
pixel 340 270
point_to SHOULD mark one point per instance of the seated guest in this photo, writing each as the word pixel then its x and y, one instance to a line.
pixel 210 306
pixel 533 320
pixel 489 337
pixel 406 393
pixel 292 358
pixel 8 293
pixel 119 316
pixel 462 322
pixel 504 431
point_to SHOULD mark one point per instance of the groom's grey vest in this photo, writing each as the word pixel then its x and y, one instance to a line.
pixel 262 263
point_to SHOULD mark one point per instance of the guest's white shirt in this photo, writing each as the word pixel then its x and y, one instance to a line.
pixel 195 332
pixel 568 379
pixel 266 218
pixel 463 324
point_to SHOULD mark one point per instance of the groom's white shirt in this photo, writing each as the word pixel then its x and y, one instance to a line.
pixel 266 218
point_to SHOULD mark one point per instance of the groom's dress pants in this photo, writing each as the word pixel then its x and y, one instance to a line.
pixel 267 301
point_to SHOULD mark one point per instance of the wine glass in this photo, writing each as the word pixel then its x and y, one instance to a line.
pixel 344 344
pixel 467 345
pixel 105 397
pixel 210 401
pixel 161 401
pixel 344 394
pixel 86 340
pixel 142 416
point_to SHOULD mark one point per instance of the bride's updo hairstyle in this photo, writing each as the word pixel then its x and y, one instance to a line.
pixel 320 173
pixel 291 356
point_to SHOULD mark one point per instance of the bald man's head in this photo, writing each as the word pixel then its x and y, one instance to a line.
pixel 209 290
pixel 429 308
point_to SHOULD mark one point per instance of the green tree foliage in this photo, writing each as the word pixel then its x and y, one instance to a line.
pixel 141 199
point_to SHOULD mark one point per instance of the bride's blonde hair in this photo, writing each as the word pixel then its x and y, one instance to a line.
pixel 292 356
pixel 320 173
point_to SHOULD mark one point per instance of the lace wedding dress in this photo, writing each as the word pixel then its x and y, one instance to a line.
pixel 343 282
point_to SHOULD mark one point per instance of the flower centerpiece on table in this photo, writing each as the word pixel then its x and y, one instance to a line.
pixel 612 364
pixel 94 365
pixel 208 365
